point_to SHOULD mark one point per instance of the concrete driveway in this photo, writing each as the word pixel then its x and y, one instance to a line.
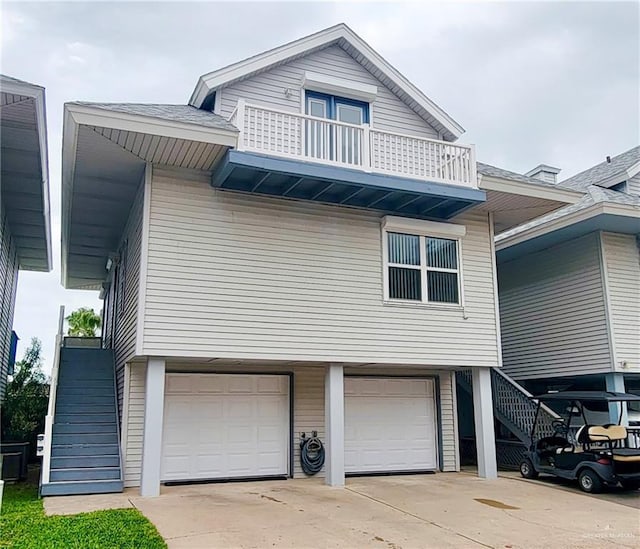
pixel 443 510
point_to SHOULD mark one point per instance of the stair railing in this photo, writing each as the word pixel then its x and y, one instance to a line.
pixel 515 403
pixel 514 407
pixel 51 410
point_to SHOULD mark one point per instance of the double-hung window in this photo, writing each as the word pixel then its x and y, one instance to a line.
pixel 422 262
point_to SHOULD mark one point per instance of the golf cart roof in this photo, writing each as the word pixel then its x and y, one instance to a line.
pixel 603 396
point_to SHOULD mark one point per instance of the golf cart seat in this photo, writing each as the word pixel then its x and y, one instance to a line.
pixel 604 433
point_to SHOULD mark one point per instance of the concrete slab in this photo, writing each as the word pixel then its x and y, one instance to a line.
pixel 72 505
pixel 443 510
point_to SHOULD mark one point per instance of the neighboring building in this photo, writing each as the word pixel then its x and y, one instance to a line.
pixel 25 232
pixel 569 286
pixel 304 247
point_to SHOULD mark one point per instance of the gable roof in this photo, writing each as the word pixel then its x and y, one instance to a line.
pixel 348 40
pixel 606 174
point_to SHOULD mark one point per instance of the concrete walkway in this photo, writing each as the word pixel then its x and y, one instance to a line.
pixel 443 510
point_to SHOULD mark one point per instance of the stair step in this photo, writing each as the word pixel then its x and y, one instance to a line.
pixel 84 449
pixel 81 462
pixel 91 473
pixel 76 383
pixel 86 418
pixel 81 428
pixel 88 392
pixel 100 400
pixel 64 408
pixel 83 487
pixel 85 438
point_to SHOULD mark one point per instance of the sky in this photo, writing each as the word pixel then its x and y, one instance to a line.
pixel 531 82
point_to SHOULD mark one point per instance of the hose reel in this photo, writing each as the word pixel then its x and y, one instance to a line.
pixel 311 453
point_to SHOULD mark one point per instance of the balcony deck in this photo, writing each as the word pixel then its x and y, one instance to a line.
pixel 303 157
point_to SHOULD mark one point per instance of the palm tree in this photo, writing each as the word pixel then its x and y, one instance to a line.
pixel 83 323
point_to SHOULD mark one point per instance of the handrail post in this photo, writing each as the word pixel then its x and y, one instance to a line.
pixel 51 410
pixel 366 152
pixel 241 108
pixel 473 168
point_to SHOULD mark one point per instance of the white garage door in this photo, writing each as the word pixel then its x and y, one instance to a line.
pixel 225 426
pixel 390 425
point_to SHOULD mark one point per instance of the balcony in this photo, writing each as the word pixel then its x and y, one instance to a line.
pixel 300 156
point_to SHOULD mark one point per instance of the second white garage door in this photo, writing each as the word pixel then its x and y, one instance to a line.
pixel 390 425
pixel 225 426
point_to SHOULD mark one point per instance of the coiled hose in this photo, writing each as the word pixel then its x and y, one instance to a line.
pixel 311 454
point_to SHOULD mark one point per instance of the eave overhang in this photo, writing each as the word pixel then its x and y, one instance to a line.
pixel 515 202
pixel 24 172
pixel 272 176
pixel 104 158
pixel 608 217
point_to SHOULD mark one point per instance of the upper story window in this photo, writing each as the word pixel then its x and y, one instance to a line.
pixel 421 267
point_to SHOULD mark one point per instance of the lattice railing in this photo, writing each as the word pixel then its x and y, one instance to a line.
pixel 358 146
pixel 514 402
pixel 514 407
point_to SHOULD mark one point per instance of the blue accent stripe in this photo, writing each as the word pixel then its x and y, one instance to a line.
pixel 301 180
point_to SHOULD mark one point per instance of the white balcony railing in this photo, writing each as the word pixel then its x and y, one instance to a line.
pixel 300 136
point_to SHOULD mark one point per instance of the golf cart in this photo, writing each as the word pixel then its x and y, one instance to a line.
pixel 595 455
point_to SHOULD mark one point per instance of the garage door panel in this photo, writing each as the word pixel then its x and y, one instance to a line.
pixel 389 425
pixel 225 428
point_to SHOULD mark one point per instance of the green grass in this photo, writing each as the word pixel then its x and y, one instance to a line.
pixel 23 525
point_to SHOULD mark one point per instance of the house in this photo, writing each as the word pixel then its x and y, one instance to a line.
pixel 303 247
pixel 569 286
pixel 25 231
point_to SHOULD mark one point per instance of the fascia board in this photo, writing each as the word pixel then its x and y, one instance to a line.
pixel 532 190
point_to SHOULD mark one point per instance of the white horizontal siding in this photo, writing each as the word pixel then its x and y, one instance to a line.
pixel 134 430
pixel 123 335
pixel 388 113
pixel 633 185
pixel 622 261
pixel 8 285
pixel 552 312
pixel 449 422
pixel 245 277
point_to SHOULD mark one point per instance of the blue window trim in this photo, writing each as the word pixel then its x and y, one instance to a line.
pixel 333 100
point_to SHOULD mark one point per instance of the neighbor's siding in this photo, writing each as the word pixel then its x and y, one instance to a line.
pixel 124 332
pixel 633 185
pixel 622 261
pixel 268 89
pixel 552 312
pixel 239 276
pixel 8 285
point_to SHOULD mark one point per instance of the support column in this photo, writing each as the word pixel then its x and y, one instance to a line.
pixel 152 443
pixel 615 382
pixel 334 425
pixel 483 416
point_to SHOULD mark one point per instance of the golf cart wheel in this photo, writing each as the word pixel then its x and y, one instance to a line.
pixel 589 481
pixel 527 470
pixel 631 484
